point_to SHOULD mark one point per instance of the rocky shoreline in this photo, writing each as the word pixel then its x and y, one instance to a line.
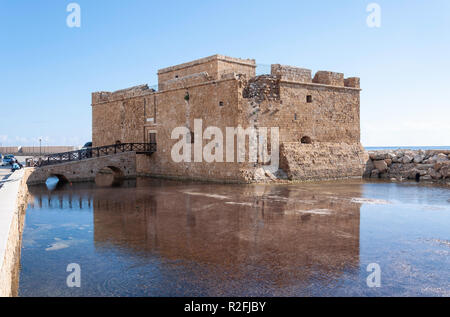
pixel 402 164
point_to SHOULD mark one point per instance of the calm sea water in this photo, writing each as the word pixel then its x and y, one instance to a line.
pixel 163 238
pixel 374 148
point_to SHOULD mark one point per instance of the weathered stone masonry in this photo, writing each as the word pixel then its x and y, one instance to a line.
pixel 315 115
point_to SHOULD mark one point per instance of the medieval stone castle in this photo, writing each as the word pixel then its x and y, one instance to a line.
pixel 318 119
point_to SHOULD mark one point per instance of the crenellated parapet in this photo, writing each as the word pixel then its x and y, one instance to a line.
pixel 304 76
pixel 291 73
pixel 329 78
pixel 105 96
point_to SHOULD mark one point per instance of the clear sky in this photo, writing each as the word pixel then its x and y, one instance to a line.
pixel 49 70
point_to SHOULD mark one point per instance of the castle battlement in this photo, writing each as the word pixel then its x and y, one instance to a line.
pixel 219 67
pixel 215 67
pixel 107 96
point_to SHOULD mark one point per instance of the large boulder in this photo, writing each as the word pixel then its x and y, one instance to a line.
pixel 377 155
pixel 418 158
pixel 380 165
pixel 441 157
pixel 445 171
pixel 434 174
pixel 425 166
pixel 407 159
pixel 375 174
pixel 368 168
pixel 439 165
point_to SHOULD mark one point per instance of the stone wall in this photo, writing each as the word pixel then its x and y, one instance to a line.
pixel 322 113
pixel 322 160
pixel 118 116
pixel 14 198
pixel 216 103
pixel 420 165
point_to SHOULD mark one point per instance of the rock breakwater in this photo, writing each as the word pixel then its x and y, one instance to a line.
pixel 420 165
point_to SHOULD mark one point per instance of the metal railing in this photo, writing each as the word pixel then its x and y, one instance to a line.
pixel 65 157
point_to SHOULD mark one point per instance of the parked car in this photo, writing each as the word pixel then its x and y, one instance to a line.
pixel 88 148
pixel 8 159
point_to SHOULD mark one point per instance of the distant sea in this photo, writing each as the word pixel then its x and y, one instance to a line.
pixel 373 148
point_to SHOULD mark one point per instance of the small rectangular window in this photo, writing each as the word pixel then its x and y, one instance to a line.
pixel 308 98
pixel 220 103
pixel 152 137
pixel 295 116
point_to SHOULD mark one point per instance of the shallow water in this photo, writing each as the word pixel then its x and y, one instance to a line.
pixel 164 238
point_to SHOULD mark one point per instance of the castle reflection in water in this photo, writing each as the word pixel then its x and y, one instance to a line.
pixel 273 233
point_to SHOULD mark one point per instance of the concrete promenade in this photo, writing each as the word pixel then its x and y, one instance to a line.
pixel 4 174
pixel 13 200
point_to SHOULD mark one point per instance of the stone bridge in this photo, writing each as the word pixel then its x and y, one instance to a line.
pixel 122 165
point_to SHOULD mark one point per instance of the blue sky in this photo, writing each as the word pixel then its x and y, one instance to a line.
pixel 49 70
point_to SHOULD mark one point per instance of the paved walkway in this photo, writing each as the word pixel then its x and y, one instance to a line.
pixel 9 195
pixel 5 171
pixel 4 174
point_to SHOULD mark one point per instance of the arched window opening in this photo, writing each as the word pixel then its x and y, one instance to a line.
pixel 306 140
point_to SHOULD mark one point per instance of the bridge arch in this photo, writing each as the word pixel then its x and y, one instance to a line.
pixel 109 175
pixel 61 178
pixel 55 181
